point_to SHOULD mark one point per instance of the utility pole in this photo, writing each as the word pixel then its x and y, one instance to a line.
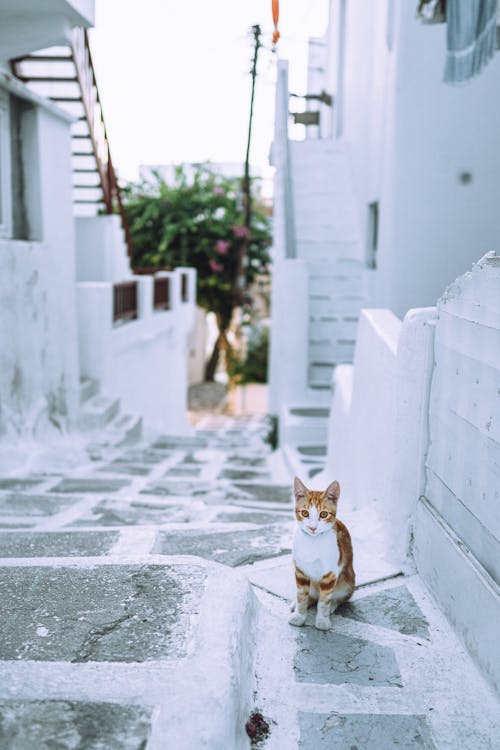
pixel 247 198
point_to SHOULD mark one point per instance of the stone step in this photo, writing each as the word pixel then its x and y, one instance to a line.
pixel 88 388
pixel 98 411
pixel 128 428
pixel 125 429
pixel 303 423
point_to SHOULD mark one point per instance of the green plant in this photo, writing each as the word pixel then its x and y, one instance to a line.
pixel 198 222
pixel 253 367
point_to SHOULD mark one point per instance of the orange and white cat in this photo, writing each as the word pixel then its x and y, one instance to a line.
pixel 322 553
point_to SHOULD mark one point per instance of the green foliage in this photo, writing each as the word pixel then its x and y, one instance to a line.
pixel 253 368
pixel 197 222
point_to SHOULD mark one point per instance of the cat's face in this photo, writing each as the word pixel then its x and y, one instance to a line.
pixel 316 511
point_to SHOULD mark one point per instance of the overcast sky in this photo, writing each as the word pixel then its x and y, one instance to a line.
pixel 174 75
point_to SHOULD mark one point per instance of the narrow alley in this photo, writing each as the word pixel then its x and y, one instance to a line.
pixel 167 563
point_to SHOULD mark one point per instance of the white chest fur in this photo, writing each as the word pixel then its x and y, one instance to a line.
pixel 316 555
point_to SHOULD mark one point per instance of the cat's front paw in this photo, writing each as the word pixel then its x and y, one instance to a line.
pixel 323 623
pixel 297 619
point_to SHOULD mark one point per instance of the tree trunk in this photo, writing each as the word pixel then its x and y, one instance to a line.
pixel 221 343
pixel 211 366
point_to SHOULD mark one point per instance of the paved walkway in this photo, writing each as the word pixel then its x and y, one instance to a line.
pixel 129 621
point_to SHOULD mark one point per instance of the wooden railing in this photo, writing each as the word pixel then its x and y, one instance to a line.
pixel 125 301
pixel 161 295
pixel 184 287
pixel 85 74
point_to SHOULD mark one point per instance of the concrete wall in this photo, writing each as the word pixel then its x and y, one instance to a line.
pixel 457 531
pixel 143 362
pixel 197 348
pixel 101 252
pixel 365 469
pixel 38 349
pixel 424 150
pixel 378 435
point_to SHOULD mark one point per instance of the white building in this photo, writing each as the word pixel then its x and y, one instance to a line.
pixel 410 429
pixel 395 199
pixel 73 317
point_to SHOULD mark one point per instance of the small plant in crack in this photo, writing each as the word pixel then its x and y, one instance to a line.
pixel 257 729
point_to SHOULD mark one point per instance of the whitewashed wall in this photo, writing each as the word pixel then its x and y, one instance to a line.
pixel 457 531
pixel 101 252
pixel 377 434
pixel 425 150
pixel 143 362
pixel 361 441
pixel 38 345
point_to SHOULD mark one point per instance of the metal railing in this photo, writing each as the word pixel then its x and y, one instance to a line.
pixel 92 106
pixel 125 301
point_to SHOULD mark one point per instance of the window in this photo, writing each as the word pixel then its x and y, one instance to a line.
pixel 5 188
pixel 372 235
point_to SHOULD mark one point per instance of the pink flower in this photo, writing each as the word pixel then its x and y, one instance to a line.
pixel 215 266
pixel 240 231
pixel 219 191
pixel 221 247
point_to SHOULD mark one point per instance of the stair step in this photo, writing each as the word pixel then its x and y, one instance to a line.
pixel 47 79
pixel 44 58
pixel 88 388
pixel 126 429
pixel 98 412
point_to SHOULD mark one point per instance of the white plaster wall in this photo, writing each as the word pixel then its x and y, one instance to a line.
pixel 463 463
pixel 411 138
pixel 378 426
pixel 38 351
pixel 461 509
pixel 290 332
pixel 365 472
pixel 197 348
pixel 101 252
pixel 143 362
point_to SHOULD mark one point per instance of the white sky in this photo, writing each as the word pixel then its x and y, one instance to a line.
pixel 174 76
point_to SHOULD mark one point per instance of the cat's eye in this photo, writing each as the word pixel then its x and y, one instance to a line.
pixel 305 513
pixel 323 514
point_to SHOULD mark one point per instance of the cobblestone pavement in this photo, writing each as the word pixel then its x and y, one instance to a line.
pixel 106 570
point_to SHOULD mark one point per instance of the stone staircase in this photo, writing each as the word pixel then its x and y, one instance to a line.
pixel 100 418
pixel 328 239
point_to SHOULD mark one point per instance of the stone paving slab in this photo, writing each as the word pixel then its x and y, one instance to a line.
pixel 233 548
pixel 183 442
pixel 183 471
pixel 121 613
pixel 57 544
pixel 364 732
pixel 393 608
pixel 247 516
pixel 243 474
pixel 242 460
pixel 177 488
pixel 20 483
pixel 264 492
pixel 142 456
pixel 23 504
pixel 72 725
pixel 90 484
pixel 129 513
pixel 330 658
pixel 118 467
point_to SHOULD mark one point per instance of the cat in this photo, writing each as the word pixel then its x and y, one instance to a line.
pixel 322 553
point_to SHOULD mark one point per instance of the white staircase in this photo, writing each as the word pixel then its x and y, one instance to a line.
pixel 328 239
pixel 101 420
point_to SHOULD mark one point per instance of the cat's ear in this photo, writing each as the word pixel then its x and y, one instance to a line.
pixel 300 490
pixel 332 493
